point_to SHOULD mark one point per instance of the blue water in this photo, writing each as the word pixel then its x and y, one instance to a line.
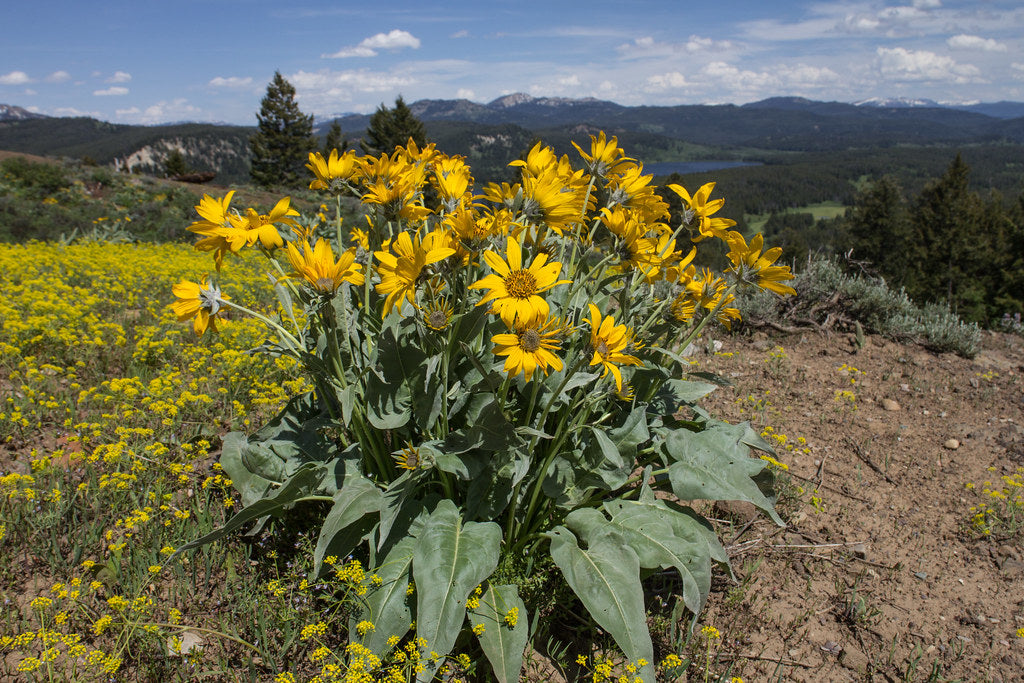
pixel 666 167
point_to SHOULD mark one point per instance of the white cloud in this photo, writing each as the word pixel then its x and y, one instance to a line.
pixel 71 111
pixel 648 48
pixel 15 78
pixel 114 90
pixel 230 82
pixel 927 4
pixel 465 94
pixel 667 81
pixel 120 77
pixel 1019 68
pixel 568 81
pixel 902 64
pixel 324 91
pixel 30 91
pixel 460 34
pixel 395 39
pixel 162 112
pixel 966 42
pixel 58 77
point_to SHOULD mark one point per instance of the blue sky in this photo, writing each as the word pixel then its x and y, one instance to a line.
pixel 148 62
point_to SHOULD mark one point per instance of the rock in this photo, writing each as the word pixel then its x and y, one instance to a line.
pixel 951 444
pixel 854 659
pixel 740 511
pixel 1012 568
pixel 889 404
pixel 859 550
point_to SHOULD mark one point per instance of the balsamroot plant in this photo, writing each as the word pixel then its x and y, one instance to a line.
pixel 497 378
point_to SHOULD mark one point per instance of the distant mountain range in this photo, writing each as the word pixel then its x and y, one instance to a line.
pixel 492 134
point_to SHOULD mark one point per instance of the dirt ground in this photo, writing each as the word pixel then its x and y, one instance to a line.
pixel 880 577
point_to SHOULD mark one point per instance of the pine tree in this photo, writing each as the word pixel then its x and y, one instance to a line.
pixel 334 141
pixel 283 140
pixel 879 231
pixel 390 128
pixel 951 247
pixel 175 164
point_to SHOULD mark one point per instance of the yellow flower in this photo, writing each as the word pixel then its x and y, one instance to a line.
pixel 515 290
pixel 399 272
pixel 605 155
pixel 608 342
pixel 318 267
pixel 530 347
pixel 198 301
pixel 699 210
pixel 408 458
pixel 437 314
pixel 452 179
pixel 253 226
pixel 750 265
pixel 335 167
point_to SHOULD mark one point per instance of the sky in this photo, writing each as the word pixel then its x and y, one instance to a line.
pixel 148 62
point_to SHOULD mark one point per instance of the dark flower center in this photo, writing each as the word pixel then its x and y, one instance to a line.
pixel 529 340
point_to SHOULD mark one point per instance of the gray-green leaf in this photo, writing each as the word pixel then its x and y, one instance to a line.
pixel 450 559
pixel 503 645
pixel 606 579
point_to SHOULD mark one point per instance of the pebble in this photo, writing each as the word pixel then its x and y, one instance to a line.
pixel 951 444
pixel 889 404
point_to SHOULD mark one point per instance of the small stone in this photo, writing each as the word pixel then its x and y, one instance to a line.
pixel 854 659
pixel 951 444
pixel 921 575
pixel 859 551
pixel 889 404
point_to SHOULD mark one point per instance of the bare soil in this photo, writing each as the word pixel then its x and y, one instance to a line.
pixel 884 580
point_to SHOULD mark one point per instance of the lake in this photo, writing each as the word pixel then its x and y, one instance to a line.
pixel 666 167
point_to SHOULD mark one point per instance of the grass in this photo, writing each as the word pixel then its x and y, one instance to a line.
pixel 755 222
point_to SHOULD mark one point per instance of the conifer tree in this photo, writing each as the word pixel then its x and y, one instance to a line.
pixel 879 231
pixel 334 140
pixel 284 138
pixel 951 247
pixel 175 164
pixel 390 128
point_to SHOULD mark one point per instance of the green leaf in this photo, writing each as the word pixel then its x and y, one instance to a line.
pixel 251 477
pixel 607 469
pixel 388 404
pixel 298 486
pixel 502 645
pixel 489 494
pixel 687 391
pixel 715 465
pixel 450 559
pixel 349 520
pixel 606 579
pixel 631 433
pixel 386 606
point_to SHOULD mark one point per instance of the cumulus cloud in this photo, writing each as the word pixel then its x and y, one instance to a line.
pixel 647 47
pixel 465 94
pixel 966 42
pixel 162 112
pixel 1019 68
pixel 393 40
pixel 667 81
pixel 323 91
pixel 927 4
pixel 114 90
pixel 58 77
pixel 921 65
pixel 120 77
pixel 15 78
pixel 230 82
pixel 71 111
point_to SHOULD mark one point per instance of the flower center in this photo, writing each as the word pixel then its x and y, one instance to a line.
pixel 324 284
pixel 602 347
pixel 529 340
pixel 437 319
pixel 521 284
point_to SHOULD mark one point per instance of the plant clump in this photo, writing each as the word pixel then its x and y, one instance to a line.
pixel 497 383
